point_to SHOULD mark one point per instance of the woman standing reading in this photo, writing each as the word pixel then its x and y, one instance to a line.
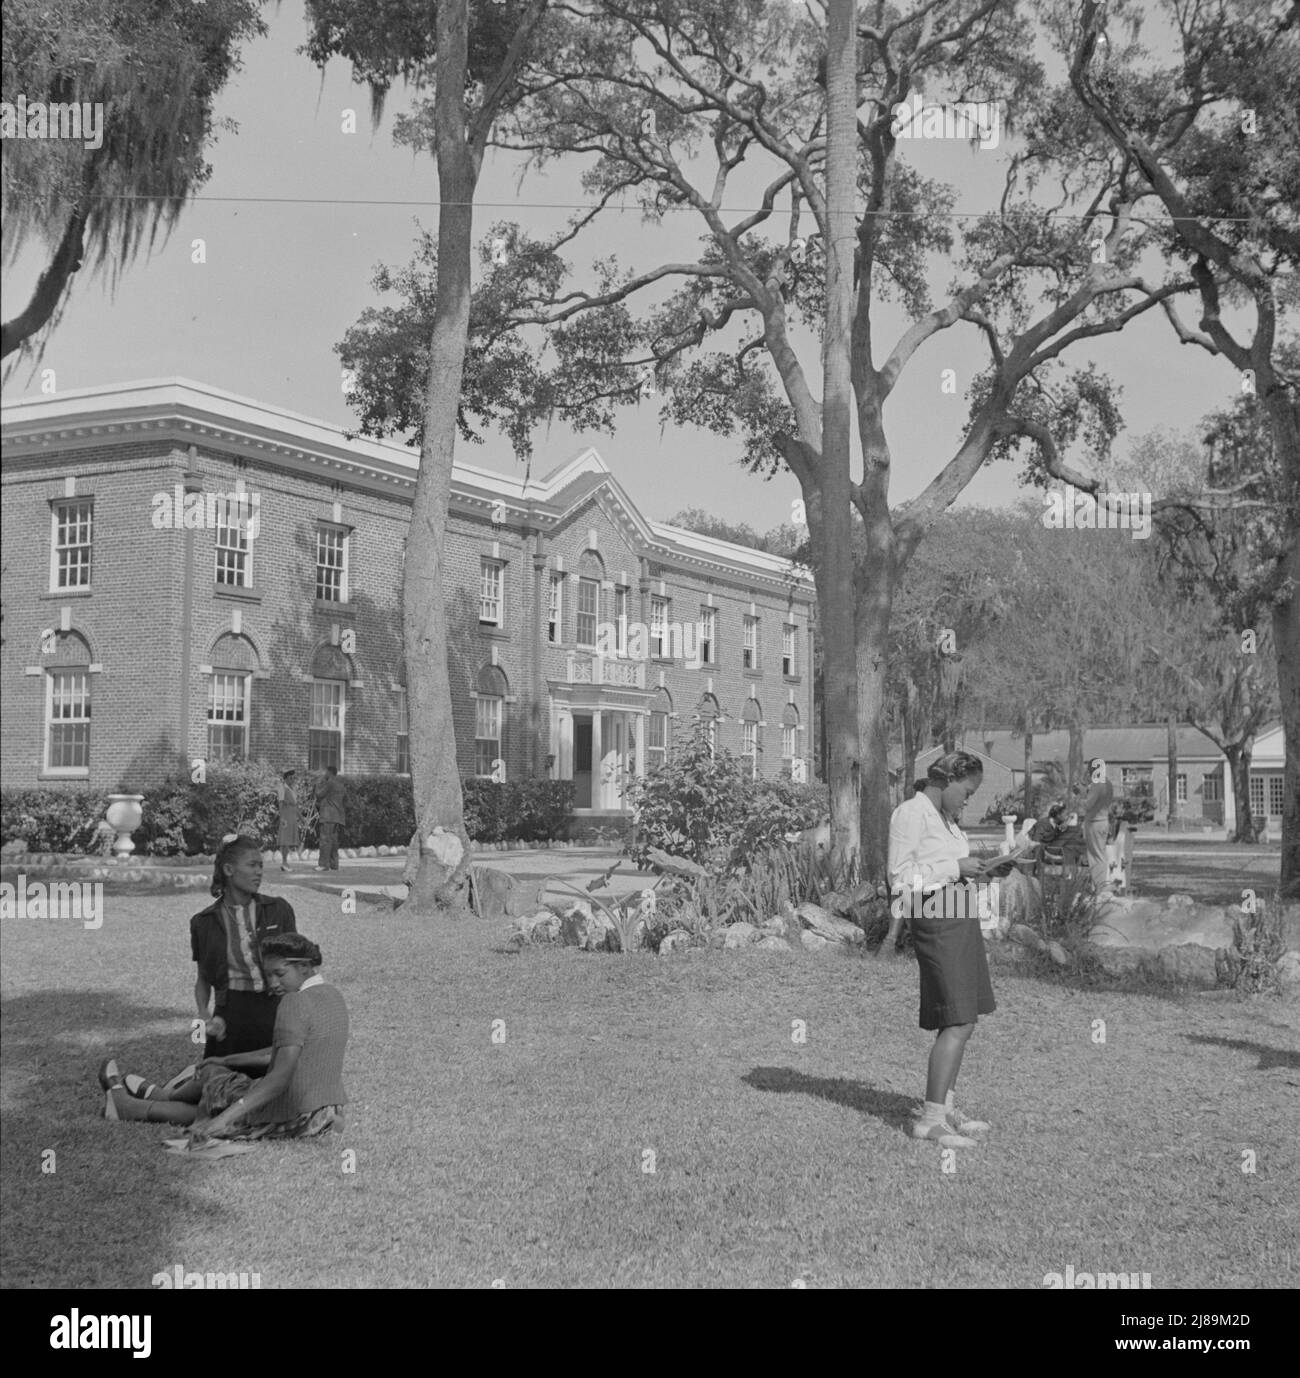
pixel 929 867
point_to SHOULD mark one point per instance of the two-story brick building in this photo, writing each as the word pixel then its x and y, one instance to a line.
pixel 193 575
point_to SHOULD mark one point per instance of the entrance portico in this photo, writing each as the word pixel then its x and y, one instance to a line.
pixel 598 738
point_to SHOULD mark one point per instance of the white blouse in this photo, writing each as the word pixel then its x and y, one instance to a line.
pixel 922 844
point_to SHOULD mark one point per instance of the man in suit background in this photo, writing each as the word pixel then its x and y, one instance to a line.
pixel 330 799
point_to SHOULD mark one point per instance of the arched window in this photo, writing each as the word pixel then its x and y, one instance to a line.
pixel 229 692
pixel 789 738
pixel 659 736
pixel 67 704
pixel 709 714
pixel 490 689
pixel 751 718
pixel 331 672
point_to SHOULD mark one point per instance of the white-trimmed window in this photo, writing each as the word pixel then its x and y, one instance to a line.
pixel 71 544
pixel 709 713
pixel 749 649
pixel 1274 795
pixel 327 723
pixel 403 733
pixel 67 722
pixel 656 742
pixel 1180 787
pixel 1211 789
pixel 622 595
pixel 228 715
pixel 588 612
pixel 749 746
pixel 555 610
pixel 751 720
pixel 332 564
pixel 491 608
pixel 234 566
pixel 789 744
pixel 1256 794
pixel 487 734
pixel 789 650
pixel 709 636
pixel 659 611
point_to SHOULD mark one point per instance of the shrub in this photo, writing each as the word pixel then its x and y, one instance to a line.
pixel 522 810
pixel 703 806
pixel 689 807
pixel 380 811
pixel 52 820
pixel 236 797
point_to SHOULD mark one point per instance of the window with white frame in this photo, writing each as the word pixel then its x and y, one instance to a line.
pixel 1180 787
pixel 789 650
pixel 709 636
pixel 709 713
pixel 659 610
pixel 588 612
pixel 1256 793
pixel 327 723
pixel 749 649
pixel 227 716
pixel 555 610
pixel 487 734
pixel 71 544
pixel 234 534
pixel 1212 789
pixel 622 596
pixel 331 564
pixel 491 610
pixel 749 746
pixel 1274 795
pixel 403 734
pixel 789 737
pixel 656 742
pixel 67 722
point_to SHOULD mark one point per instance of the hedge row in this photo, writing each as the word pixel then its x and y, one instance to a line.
pixel 185 818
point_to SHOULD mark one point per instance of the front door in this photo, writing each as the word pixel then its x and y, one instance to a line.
pixel 581 762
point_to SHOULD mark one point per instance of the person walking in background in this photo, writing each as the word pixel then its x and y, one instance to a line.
pixel 1095 819
pixel 288 834
pixel 330 799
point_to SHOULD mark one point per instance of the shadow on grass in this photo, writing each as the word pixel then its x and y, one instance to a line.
pixel 1268 1057
pixel 887 1106
pixel 104 1215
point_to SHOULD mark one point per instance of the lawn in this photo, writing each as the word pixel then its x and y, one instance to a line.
pixel 525 1160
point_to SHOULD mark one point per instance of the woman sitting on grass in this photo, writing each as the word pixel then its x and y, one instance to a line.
pixel 301 1094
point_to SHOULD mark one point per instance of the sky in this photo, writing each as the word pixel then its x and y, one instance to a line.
pixel 298 214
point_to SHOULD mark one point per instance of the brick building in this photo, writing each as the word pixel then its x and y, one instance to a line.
pixel 189 574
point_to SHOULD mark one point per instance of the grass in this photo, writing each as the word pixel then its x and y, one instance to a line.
pixel 523 1160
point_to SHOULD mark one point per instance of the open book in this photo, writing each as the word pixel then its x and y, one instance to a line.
pixel 995 863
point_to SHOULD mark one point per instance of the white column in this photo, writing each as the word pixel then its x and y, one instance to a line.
pixel 642 725
pixel 597 763
pixel 564 758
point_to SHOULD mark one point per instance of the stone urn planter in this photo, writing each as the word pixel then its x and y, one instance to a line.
pixel 124 814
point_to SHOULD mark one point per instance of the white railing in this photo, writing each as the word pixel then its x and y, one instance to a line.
pixel 626 674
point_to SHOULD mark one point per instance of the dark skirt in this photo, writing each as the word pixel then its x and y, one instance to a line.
pixel 250 1023
pixel 222 1087
pixel 955 985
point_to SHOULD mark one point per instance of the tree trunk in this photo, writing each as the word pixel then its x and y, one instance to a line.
pixel 1286 634
pixel 1171 736
pixel 874 604
pixel 438 878
pixel 1074 755
pixel 1239 769
pixel 1029 774
pixel 838 634
pixel 910 747
pixel 50 288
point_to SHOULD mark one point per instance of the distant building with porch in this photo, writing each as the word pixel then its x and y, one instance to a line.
pixel 1136 758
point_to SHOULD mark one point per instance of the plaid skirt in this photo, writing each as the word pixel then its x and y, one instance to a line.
pixel 955 985
pixel 222 1087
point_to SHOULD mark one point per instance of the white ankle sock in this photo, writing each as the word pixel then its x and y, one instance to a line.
pixel 933 1113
